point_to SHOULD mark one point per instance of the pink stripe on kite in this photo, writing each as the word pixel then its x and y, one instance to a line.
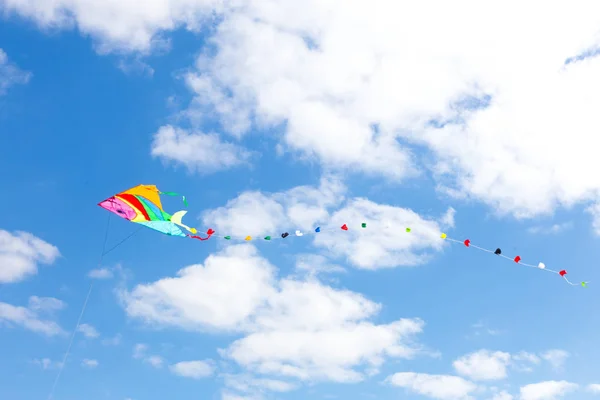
pixel 119 207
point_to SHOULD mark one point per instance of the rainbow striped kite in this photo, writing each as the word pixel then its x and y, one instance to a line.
pixel 141 204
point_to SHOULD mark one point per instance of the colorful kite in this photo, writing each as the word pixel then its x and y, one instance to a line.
pixel 141 204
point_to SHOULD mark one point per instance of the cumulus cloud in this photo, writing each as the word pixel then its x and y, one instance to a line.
pixel 593 388
pixel 355 97
pixel 483 365
pixel 486 365
pixel 101 273
pixel 233 283
pixel 45 304
pixel 556 357
pixel 443 387
pixel 29 318
pixel 263 213
pixel 117 26
pixel 352 86
pixel 193 369
pixel 385 242
pixel 199 152
pixel 548 390
pixel 299 329
pixel 10 74
pixel 88 331
pixel 20 254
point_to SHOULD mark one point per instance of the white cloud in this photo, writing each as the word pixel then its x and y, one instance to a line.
pixel 594 388
pixel 483 365
pixel 29 319
pixel 350 95
pixel 481 328
pixel 89 363
pixel 292 328
pixel 140 352
pixel 20 254
pixel 117 26
pixel 447 219
pixel 199 152
pixel 45 304
pixel 233 283
pixel 256 387
pixel 548 390
pixel 233 396
pixel 193 369
pixel 46 363
pixel 88 331
pixel 260 214
pixel 362 85
pixel 10 75
pixel 101 273
pixel 135 65
pixel 556 357
pixel 523 361
pixel 493 365
pixel 155 361
pixel 314 264
pixel 503 395
pixel 383 243
pixel 443 387
pixel 550 230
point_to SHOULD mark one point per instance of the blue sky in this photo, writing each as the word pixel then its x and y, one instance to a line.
pixel 264 133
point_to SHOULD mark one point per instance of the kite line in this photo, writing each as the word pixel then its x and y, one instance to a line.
pixel 85 303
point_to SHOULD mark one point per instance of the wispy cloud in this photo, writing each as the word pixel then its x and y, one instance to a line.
pixel 101 273
pixel 140 353
pixel 29 318
pixel 88 363
pixel 10 73
pixel 550 230
pixel 88 331
pixel 556 357
pixel 113 341
pixel 46 363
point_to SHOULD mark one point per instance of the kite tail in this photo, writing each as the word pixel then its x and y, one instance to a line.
pixel 209 233
pixel 584 284
pixel 175 194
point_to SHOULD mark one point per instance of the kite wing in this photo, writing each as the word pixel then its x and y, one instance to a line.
pixel 141 204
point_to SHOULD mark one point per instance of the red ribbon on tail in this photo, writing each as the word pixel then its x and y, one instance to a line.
pixel 209 233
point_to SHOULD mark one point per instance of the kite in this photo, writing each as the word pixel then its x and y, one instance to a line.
pixel 141 204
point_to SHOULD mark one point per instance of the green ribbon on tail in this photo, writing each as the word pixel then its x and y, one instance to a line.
pixel 175 194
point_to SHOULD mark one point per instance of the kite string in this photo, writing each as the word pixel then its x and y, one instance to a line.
pixel 122 241
pixel 87 297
